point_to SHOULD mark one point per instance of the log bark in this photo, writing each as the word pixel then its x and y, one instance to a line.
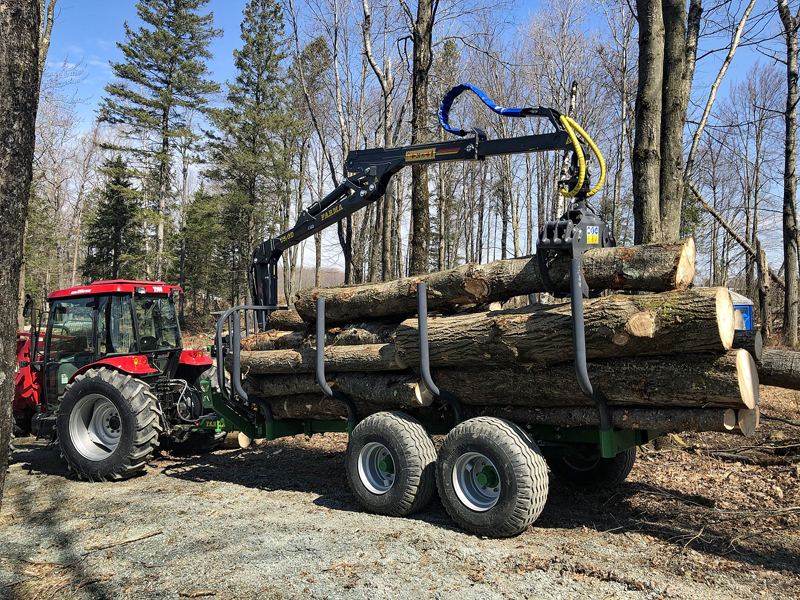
pixel 287 320
pixel 750 340
pixel 268 340
pixel 374 357
pixel 390 390
pixel 662 420
pixel 654 268
pixel 727 381
pixel 692 321
pixel 320 407
pixel 780 368
pixel 353 335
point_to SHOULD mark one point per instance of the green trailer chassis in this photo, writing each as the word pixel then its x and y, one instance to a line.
pixel 553 440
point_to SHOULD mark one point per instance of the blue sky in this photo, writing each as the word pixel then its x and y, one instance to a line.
pixel 89 30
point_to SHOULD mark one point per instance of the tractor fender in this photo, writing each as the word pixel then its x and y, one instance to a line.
pixel 195 358
pixel 132 365
pixel 27 381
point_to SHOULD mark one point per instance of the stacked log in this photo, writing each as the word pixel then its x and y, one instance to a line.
pixel 664 360
pixel 780 368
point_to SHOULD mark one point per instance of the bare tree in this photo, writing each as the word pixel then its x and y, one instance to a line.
pixel 680 54
pixel 421 26
pixel 790 243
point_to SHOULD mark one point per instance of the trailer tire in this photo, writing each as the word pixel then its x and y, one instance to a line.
pixel 390 462
pixel 119 440
pixel 590 470
pixel 508 493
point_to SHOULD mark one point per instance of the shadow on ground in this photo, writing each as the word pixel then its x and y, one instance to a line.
pixel 682 521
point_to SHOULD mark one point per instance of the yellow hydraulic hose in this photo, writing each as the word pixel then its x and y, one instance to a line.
pixel 596 151
pixel 565 121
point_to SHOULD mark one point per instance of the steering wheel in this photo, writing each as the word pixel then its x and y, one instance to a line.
pixel 147 342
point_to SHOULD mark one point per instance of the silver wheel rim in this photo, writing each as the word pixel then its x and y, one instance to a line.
pixel 95 427
pixel 474 483
pixel 376 468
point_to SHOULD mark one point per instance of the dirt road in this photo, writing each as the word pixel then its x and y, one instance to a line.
pixel 707 517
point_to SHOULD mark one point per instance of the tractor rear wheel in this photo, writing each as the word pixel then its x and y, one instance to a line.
pixel 108 425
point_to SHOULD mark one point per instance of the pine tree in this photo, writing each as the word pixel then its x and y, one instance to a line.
pixel 246 148
pixel 162 76
pixel 114 237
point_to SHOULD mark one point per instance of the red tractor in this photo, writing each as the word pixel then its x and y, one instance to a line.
pixel 109 378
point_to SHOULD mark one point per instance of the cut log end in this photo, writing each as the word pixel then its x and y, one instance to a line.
pixel 685 272
pixel 748 421
pixel 422 395
pixel 725 317
pixel 730 419
pixel 748 378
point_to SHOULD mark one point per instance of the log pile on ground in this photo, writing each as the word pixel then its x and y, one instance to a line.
pixel 666 359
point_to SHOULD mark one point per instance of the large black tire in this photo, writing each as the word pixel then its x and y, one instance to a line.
pixel 590 470
pixel 390 463
pixel 491 476
pixel 108 425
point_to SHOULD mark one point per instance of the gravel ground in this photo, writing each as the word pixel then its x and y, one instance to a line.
pixel 707 517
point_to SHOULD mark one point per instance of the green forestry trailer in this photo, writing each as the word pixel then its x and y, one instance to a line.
pixel 490 473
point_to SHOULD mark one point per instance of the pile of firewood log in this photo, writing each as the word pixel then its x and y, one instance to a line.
pixel 664 356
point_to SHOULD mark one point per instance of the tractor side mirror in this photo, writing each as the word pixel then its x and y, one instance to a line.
pixel 26 310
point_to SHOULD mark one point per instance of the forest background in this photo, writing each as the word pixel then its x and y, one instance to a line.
pixel 154 167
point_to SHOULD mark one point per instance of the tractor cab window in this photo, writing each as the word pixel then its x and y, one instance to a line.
pixel 69 343
pixel 157 324
pixel 115 326
pixel 71 327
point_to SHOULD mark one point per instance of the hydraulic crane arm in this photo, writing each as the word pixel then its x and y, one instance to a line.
pixel 370 173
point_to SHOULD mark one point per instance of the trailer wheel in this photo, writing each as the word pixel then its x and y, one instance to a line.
pixel 390 463
pixel 491 477
pixel 590 470
pixel 108 425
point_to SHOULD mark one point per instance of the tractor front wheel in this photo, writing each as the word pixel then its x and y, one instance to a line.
pixel 108 425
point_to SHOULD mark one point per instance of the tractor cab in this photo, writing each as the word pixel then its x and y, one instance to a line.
pixel 110 380
pixel 128 325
